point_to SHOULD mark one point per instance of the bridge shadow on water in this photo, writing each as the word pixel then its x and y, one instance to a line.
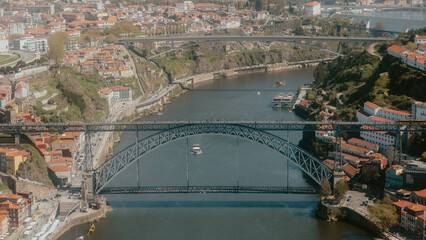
pixel 214 204
pixel 244 90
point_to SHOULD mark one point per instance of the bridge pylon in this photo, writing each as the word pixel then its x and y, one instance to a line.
pixel 337 176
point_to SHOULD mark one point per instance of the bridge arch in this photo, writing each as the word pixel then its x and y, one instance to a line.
pixel 120 161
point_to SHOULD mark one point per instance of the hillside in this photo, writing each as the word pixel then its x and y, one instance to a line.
pixel 218 56
pixel 359 77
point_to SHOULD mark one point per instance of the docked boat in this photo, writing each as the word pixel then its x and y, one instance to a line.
pixel 283 100
pixel 196 149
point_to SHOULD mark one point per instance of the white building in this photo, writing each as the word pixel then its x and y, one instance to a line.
pixel 325 136
pixel 313 8
pixel 116 94
pixel 381 138
pixel 36 45
pixel 419 39
pixel 418 110
pixel 4 45
pixel 396 50
pixel 393 115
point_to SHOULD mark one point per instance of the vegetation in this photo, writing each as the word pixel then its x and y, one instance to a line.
pixel 74 94
pixel 3 187
pixel 385 212
pixel 35 168
pixel 122 29
pixel 56 43
pixel 340 189
pixel 4 59
pixel 325 189
pixel 314 146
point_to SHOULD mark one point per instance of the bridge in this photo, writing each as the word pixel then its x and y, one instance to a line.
pixel 233 38
pixel 207 189
pixel 414 8
pixel 261 132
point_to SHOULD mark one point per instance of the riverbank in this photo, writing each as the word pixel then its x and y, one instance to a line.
pixel 80 218
pixel 357 216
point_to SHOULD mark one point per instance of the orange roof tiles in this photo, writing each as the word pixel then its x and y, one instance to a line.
pixel 311 4
pixel 403 204
pixel 372 105
pixel 60 169
pixel 421 193
pixel 397 49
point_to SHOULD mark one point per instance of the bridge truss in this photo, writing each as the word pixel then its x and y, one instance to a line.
pixel 120 161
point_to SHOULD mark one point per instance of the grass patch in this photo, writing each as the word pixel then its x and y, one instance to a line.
pixel 5 59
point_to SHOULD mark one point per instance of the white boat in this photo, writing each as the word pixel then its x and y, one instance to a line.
pixel 196 149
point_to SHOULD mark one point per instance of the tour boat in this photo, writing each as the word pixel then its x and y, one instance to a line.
pixel 279 84
pixel 283 100
pixel 196 149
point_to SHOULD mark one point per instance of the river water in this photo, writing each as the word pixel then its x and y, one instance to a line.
pixel 224 161
pixel 398 21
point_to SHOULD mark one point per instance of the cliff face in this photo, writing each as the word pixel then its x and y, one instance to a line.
pixel 219 56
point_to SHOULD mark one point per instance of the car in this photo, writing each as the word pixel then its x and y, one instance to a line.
pixel 349 198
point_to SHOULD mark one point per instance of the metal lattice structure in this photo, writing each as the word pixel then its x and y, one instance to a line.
pixel 208 189
pixel 120 161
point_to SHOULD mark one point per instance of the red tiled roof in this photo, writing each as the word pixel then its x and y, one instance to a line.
pixel 397 49
pixel 396 111
pixel 311 4
pixel 60 169
pixel 421 193
pixel 403 204
pixel 372 105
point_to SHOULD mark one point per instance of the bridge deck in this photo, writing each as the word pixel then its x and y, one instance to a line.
pixel 207 189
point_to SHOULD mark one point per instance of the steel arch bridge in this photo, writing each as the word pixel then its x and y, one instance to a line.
pixel 120 161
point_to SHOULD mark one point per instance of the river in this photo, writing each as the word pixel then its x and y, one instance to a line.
pixel 224 161
pixel 398 21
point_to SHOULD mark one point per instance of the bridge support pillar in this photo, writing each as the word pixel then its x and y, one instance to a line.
pixel 87 193
pixel 337 176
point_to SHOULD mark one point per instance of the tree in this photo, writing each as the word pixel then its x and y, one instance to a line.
pixel 380 26
pixel 340 189
pixel 124 28
pixel 90 36
pixel 57 42
pixel 412 46
pixel 325 189
pixel 385 212
pixel 258 5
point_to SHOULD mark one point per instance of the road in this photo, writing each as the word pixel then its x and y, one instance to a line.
pixel 234 38
pixel 372 52
pixel 25 55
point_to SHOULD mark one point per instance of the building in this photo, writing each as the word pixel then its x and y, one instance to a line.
pixel 11 158
pixel 396 51
pixel 418 110
pixel 356 151
pixel 364 144
pixel 381 138
pixel 420 39
pixel 418 197
pixel 63 173
pixel 415 175
pixel 394 177
pixel 4 223
pixel 116 94
pixel 4 45
pixel 36 45
pixel 313 8
pixel 410 218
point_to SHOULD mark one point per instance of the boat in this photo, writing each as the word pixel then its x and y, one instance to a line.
pixel 283 100
pixel 196 149
pixel 91 230
pixel 279 84
pixel 258 92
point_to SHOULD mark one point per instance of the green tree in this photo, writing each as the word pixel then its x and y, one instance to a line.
pixel 258 5
pixel 385 212
pixel 380 26
pixel 325 189
pixel 411 46
pixel 340 189
pixel 90 36
pixel 123 29
pixel 57 43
